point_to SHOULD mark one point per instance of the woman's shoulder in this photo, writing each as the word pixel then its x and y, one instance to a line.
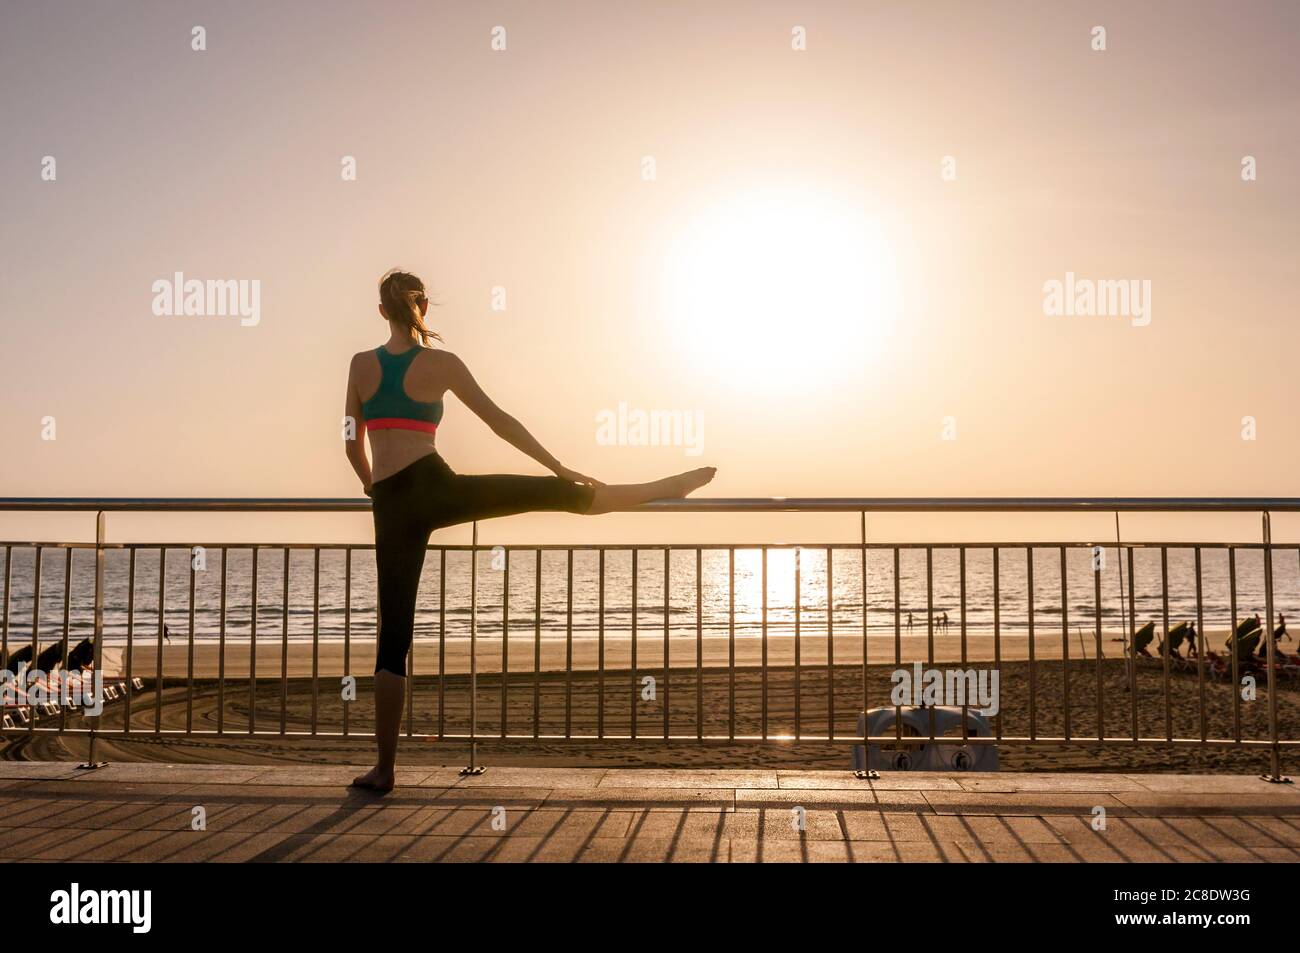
pixel 361 358
pixel 441 357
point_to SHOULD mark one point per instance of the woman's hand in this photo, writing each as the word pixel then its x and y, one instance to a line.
pixel 564 473
pixel 365 488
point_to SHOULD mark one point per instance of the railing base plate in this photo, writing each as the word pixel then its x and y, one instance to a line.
pixel 472 770
pixel 1276 778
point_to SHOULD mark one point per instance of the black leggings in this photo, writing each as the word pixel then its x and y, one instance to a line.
pixel 427 495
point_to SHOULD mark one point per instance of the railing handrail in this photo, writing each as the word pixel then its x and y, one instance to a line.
pixel 1263 506
pixel 914 504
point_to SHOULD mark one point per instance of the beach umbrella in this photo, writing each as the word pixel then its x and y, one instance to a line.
pixel 82 656
pixel 1143 637
pixel 50 657
pixel 16 659
pixel 1182 632
pixel 1246 637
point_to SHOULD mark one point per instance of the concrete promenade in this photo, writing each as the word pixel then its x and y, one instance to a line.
pixel 144 812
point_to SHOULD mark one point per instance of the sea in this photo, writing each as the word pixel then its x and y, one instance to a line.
pixel 585 592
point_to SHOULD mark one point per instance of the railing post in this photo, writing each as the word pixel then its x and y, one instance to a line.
pixel 1125 634
pixel 97 675
pixel 473 768
pixel 865 773
pixel 1275 760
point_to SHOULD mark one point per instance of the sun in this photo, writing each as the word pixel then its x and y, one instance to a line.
pixel 781 283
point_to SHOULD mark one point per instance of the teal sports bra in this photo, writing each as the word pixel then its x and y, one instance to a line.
pixel 390 408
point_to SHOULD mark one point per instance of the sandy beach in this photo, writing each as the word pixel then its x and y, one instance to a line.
pixel 550 655
pixel 572 703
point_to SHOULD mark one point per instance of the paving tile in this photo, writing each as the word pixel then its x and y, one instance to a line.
pixel 1275 855
pixel 50 845
pixel 914 781
pixel 1025 802
pixel 805 851
pixel 91 792
pixel 444 777
pixel 377 820
pixel 1200 832
pixel 32 770
pixel 117 816
pixel 457 819
pixel 49 812
pixel 523 848
pixel 267 818
pixel 304 794
pixel 844 780
pixel 183 847
pixel 344 848
pixel 709 823
pixel 1271 831
pixel 1121 840
pixel 625 798
pixel 534 778
pixel 635 849
pixel 1010 831
pixel 782 823
pixel 837 798
pixel 335 776
pixel 884 852
pixel 890 826
pixel 982 852
pixel 679 778
pixel 1212 784
pixel 151 773
pixel 548 822
pixel 1011 784
pixel 488 797
pixel 1163 804
pixel 143 812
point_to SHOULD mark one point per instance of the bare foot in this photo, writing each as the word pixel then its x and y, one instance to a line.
pixel 374 780
pixel 690 481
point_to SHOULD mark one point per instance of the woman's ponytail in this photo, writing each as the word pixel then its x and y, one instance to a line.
pixel 400 295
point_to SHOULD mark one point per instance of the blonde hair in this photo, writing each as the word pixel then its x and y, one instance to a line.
pixel 400 295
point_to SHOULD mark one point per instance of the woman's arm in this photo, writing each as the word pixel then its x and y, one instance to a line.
pixel 461 383
pixel 354 431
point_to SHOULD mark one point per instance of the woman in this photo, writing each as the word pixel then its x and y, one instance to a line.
pixel 395 394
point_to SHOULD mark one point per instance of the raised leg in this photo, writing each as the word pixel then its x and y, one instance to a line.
pixel 620 496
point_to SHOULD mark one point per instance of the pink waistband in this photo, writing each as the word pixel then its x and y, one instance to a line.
pixel 401 423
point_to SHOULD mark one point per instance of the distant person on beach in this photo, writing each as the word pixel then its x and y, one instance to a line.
pixel 395 394
pixel 944 621
pixel 909 622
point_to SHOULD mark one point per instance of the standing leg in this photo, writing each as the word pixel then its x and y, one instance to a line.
pixel 399 559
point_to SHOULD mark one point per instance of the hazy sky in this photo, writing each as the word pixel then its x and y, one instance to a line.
pixel 686 214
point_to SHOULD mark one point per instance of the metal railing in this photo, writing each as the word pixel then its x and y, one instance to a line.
pixel 752 688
